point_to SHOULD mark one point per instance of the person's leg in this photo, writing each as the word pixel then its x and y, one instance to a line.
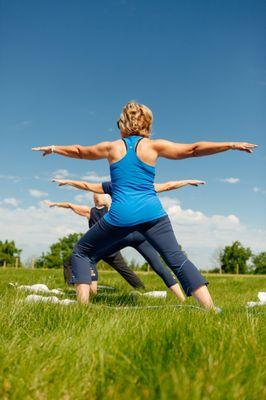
pixel 177 292
pixel 94 279
pixel 160 235
pixel 83 293
pixel 85 254
pixel 202 295
pixel 81 290
pixel 67 270
pixel 119 264
pixel 153 259
pixel 93 287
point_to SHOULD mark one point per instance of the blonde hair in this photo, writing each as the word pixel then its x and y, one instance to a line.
pixel 135 119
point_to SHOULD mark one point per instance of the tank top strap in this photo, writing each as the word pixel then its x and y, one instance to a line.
pixel 131 143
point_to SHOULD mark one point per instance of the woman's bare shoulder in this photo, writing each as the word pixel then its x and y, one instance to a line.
pixel 153 143
pixel 116 144
pixel 148 141
pixel 117 150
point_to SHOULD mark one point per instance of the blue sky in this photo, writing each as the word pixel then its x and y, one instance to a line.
pixel 68 67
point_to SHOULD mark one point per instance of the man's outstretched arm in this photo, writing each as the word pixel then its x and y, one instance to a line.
pixel 84 211
pixel 91 187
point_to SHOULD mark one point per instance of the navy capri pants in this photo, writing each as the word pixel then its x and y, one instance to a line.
pixel 137 241
pixel 159 233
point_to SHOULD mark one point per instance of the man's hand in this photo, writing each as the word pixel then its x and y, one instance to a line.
pixel 46 150
pixel 243 146
pixel 195 182
pixel 61 182
pixel 49 203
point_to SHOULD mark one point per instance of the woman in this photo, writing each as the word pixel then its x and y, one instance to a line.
pixel 135 239
pixel 135 205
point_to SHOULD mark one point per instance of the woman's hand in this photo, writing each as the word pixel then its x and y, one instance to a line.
pixel 243 146
pixel 195 182
pixel 46 150
pixel 61 182
pixel 49 203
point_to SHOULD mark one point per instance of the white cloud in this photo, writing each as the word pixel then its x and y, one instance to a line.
pixel 11 201
pixel 11 178
pixel 86 198
pixel 79 198
pixel 258 190
pixel 201 234
pixel 62 174
pixel 92 176
pixel 169 202
pixel 230 180
pixel 89 176
pixel 37 193
pixel 35 228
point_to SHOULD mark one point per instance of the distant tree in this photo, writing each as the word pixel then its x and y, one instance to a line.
pixel 259 263
pixel 8 252
pixel 215 260
pixel 58 252
pixel 144 267
pixel 234 258
pixel 212 271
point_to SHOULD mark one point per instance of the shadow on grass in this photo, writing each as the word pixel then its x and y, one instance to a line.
pixel 133 300
pixel 123 299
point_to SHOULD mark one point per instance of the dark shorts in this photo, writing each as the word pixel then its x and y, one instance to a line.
pixel 68 272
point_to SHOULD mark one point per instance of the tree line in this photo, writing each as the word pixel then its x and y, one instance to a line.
pixel 233 259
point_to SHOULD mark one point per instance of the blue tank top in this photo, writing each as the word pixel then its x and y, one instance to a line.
pixel 134 200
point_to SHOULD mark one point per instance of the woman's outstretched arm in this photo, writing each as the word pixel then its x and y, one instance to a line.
pixel 84 211
pixel 172 185
pixel 91 187
pixel 178 151
pixel 95 152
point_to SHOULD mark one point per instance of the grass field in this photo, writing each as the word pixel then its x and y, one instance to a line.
pixel 49 351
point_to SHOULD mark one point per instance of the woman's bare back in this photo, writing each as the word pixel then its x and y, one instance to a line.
pixel 144 151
